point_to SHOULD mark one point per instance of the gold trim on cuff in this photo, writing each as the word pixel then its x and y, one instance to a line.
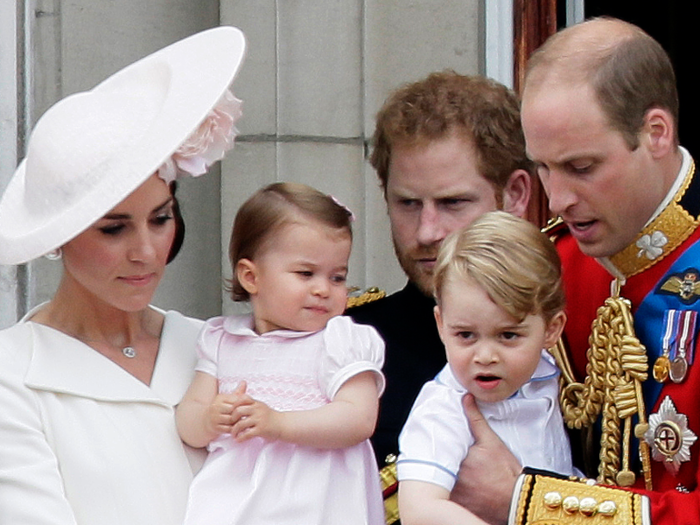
pixel 545 500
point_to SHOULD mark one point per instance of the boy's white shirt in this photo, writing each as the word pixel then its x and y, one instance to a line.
pixel 436 437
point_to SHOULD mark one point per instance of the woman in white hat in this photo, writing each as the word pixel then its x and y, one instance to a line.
pixel 89 380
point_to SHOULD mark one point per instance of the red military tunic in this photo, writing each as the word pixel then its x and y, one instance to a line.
pixel 653 269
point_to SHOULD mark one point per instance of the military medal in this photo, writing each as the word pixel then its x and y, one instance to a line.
pixel 669 437
pixel 677 345
pixel 661 368
pixel 678 369
pixel 686 343
pixel 662 365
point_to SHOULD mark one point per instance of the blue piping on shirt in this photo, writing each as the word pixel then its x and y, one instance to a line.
pixel 429 463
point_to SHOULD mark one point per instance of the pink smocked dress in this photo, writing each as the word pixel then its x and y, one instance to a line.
pixel 262 482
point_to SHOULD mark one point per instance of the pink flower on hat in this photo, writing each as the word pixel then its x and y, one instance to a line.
pixel 209 142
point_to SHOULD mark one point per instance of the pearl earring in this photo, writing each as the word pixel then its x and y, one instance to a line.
pixel 54 255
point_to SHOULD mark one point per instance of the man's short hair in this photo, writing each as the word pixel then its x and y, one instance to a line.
pixel 482 110
pixel 629 71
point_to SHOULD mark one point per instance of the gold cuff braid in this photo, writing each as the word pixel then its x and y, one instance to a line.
pixel 546 500
pixel 617 366
pixel 390 485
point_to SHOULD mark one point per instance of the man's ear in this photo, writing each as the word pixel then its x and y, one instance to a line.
pixel 660 131
pixel 554 329
pixel 516 193
pixel 247 274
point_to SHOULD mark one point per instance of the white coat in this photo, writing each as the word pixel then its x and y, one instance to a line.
pixel 84 442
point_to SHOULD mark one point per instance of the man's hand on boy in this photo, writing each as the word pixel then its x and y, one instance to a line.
pixel 488 474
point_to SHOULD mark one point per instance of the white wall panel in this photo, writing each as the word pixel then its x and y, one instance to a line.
pixel 256 84
pixel 320 84
pixel 406 40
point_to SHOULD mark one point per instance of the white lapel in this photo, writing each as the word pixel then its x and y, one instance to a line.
pixel 61 363
pixel 176 358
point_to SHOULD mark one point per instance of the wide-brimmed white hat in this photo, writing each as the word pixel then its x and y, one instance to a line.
pixel 90 150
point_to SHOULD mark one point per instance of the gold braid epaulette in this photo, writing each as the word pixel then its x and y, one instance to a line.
pixel 617 367
pixel 368 296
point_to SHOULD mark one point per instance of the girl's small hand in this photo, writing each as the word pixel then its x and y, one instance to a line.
pixel 220 415
pixel 255 419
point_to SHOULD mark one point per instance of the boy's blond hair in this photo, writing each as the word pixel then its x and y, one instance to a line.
pixel 515 263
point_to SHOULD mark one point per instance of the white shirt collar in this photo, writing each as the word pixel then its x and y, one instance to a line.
pixel 685 166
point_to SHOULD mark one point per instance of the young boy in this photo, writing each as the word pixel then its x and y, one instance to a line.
pixel 499 307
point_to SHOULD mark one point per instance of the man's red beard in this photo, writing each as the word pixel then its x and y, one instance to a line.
pixel 416 273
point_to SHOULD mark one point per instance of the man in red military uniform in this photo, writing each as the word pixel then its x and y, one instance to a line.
pixel 600 116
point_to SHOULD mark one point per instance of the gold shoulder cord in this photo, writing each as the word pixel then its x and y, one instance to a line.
pixel 617 366
pixel 368 296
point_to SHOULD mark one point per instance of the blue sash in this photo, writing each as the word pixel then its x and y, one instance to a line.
pixel 649 317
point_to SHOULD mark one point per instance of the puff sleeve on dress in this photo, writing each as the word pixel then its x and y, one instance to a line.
pixel 350 350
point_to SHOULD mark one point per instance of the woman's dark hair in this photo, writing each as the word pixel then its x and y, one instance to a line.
pixel 179 225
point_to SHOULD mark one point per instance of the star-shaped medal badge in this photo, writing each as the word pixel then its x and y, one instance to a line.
pixel 669 437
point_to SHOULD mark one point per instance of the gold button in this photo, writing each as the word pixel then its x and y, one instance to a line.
pixel 571 504
pixel 607 508
pixel 552 500
pixel 588 506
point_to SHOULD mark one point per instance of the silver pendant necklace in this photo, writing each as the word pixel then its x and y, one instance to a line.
pixel 129 351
